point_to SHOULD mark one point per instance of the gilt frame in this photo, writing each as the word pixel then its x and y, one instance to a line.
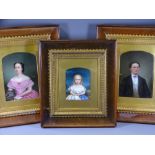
pixel 22 39
pixel 132 38
pixel 57 56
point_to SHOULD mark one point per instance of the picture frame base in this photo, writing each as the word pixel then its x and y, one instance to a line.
pixel 19 120
pixel 136 118
pixel 79 123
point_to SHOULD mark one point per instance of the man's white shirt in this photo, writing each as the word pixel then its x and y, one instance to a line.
pixel 135 85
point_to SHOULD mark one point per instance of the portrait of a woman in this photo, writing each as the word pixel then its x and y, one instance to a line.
pixel 20 85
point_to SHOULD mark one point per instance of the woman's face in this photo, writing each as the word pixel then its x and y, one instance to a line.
pixel 77 79
pixel 18 68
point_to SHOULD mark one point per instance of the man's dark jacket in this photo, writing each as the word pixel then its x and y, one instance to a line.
pixel 126 88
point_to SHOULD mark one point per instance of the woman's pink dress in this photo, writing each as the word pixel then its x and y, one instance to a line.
pixel 21 87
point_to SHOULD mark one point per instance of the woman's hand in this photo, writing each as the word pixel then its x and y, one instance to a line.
pixel 29 89
pixel 17 97
pixel 10 89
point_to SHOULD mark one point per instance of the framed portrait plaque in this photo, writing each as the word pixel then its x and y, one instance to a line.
pixel 135 74
pixel 78 83
pixel 19 80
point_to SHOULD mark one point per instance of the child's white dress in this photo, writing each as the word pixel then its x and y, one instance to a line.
pixel 75 92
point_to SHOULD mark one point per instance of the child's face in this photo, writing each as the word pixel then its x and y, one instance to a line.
pixel 77 79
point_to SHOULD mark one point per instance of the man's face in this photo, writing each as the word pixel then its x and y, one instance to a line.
pixel 135 68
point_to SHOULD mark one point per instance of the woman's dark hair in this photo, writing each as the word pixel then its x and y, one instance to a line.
pixel 134 62
pixel 22 65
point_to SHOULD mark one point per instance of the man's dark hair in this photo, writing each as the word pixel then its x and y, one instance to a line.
pixel 134 62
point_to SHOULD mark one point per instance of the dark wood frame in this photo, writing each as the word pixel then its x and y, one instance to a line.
pixel 102 30
pixel 26 31
pixel 31 30
pixel 46 120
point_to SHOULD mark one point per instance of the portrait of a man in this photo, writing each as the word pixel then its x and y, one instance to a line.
pixel 134 85
pixel 136 74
